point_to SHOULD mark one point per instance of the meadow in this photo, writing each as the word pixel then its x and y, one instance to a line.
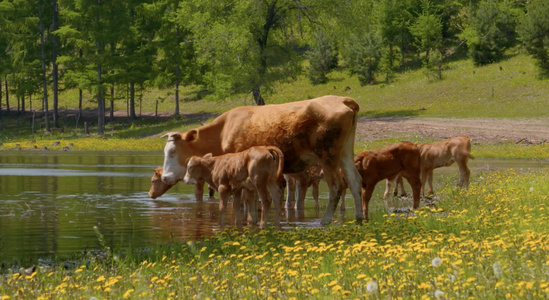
pixel 488 242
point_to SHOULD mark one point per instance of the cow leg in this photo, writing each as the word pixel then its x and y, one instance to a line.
pixel 464 173
pixel 250 199
pixel 400 183
pixel 224 194
pixel 430 179
pixel 199 190
pixel 211 192
pixel 290 197
pixel 342 204
pixel 277 195
pixel 315 193
pixel 415 182
pixel 424 174
pixel 335 186
pixel 237 209
pixel 366 196
pixel 265 204
pixel 353 180
pixel 301 193
pixel 388 183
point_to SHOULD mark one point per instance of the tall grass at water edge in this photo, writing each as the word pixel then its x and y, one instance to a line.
pixel 488 242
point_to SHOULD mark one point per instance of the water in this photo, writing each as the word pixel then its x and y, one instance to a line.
pixel 51 202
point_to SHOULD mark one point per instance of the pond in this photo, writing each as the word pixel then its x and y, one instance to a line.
pixel 51 202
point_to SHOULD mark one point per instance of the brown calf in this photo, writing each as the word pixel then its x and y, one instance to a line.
pixel 258 168
pixel 444 154
pixel 158 187
pixel 375 165
pixel 297 185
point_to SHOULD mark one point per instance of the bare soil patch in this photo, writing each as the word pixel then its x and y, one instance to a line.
pixel 528 131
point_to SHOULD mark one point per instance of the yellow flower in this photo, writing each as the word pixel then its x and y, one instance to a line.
pixel 127 293
pixel 100 278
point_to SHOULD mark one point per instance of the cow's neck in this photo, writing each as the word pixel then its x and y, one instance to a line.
pixel 208 140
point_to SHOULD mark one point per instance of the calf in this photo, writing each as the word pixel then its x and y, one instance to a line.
pixel 258 168
pixel 444 154
pixel 158 187
pixel 375 165
pixel 303 180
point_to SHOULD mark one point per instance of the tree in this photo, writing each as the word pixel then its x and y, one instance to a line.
pixel 534 32
pixel 491 30
pixel 322 59
pixel 245 46
pixel 427 29
pixel 363 56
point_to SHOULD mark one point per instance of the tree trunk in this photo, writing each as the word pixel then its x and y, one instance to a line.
pixel 111 110
pixel 132 101
pixel 44 81
pixel 100 99
pixel 177 71
pixel 257 95
pixel 7 95
pixel 55 76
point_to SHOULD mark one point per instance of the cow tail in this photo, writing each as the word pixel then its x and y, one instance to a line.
pixel 278 155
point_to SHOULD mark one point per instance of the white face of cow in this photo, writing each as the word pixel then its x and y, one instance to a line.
pixel 188 179
pixel 173 171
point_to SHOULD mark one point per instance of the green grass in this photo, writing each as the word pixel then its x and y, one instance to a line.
pixel 488 242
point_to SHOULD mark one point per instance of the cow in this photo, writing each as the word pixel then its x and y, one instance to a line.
pixel 320 130
pixel 297 185
pixel 440 154
pixel 158 187
pixel 387 163
pixel 444 154
pixel 258 169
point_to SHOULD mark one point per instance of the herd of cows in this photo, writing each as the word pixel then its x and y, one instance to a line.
pixel 255 151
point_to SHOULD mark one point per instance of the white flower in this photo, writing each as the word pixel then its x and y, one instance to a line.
pixel 451 277
pixel 439 294
pixel 436 261
pixel 531 189
pixel 372 287
pixel 498 270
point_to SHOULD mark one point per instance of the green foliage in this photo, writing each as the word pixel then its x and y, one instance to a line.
pixel 534 32
pixel 322 59
pixel 490 32
pixel 427 28
pixel 364 54
pixel 433 64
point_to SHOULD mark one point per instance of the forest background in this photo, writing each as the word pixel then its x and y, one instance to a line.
pixel 105 56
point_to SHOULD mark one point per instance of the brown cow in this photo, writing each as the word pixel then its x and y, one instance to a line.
pixel 440 154
pixel 158 187
pixel 308 132
pixel 256 169
pixel 444 154
pixel 375 165
pixel 297 185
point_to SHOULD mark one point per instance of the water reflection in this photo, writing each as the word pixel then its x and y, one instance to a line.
pixel 52 200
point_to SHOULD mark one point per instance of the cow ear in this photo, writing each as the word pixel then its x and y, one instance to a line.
pixel 207 155
pixel 172 135
pixel 191 135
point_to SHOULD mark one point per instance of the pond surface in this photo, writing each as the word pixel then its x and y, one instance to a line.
pixel 51 202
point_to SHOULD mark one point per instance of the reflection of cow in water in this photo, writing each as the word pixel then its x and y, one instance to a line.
pixel 318 131
pixel 158 187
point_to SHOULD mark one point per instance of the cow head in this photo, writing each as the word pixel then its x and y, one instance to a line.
pixel 198 169
pixel 176 154
pixel 158 187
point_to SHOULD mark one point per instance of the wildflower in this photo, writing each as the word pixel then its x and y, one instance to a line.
pixel 436 261
pixel 372 287
pixel 127 293
pixel 531 189
pixel 439 294
pixel 498 271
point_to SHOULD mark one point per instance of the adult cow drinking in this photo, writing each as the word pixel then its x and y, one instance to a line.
pixel 320 130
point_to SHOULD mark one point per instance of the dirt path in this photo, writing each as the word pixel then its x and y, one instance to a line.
pixel 479 130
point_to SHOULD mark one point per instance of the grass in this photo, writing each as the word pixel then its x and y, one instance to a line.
pixel 488 242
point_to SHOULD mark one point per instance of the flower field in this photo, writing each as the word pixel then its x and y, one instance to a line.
pixel 488 242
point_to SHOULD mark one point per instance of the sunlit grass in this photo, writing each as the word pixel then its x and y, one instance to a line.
pixel 488 242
